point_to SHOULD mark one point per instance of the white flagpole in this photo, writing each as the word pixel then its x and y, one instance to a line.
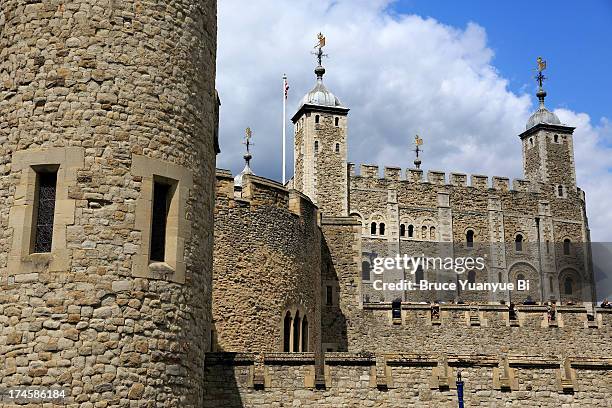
pixel 284 125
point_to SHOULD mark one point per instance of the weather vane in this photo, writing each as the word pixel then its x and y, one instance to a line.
pixel 247 141
pixel 319 46
pixel 417 142
pixel 541 67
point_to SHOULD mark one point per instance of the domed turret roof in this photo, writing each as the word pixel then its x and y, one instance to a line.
pixel 542 115
pixel 320 95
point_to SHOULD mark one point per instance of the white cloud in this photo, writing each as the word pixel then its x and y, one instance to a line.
pixel 400 75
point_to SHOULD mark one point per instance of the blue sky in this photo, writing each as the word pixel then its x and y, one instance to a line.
pixel 575 37
pixel 459 73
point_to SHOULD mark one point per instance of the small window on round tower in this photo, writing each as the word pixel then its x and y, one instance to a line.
pixel 337 121
pixel 556 138
pixel 316 118
pixel 337 147
pixel 316 147
pixel 531 141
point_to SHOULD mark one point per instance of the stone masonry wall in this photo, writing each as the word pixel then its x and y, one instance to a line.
pixel 266 262
pixel 447 209
pixel 410 380
pixel 109 80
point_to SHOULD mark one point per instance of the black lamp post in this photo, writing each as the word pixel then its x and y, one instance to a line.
pixel 459 389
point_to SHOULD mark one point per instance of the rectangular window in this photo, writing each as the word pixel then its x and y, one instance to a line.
pixel 161 204
pixel 329 299
pixel 44 209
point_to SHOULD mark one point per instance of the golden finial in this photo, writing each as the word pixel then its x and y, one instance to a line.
pixel 417 142
pixel 541 64
pixel 321 42
pixel 247 141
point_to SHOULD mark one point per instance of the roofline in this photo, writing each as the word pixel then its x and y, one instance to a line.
pixel 308 107
pixel 545 126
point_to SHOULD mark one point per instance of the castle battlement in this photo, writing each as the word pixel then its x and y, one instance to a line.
pixel 257 191
pixel 441 178
pixel 491 316
pixel 392 377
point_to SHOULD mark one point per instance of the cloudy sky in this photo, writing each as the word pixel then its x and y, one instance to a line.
pixel 459 77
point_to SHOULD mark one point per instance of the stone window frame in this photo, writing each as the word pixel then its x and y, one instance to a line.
pixel 302 313
pixel 67 161
pixel 563 193
pixel 178 228
pixel 407 222
pixel 523 242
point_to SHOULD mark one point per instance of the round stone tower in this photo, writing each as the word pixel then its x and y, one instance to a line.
pixel 107 157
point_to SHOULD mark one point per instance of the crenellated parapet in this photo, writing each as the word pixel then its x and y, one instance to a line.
pixel 257 191
pixel 440 178
pixel 402 378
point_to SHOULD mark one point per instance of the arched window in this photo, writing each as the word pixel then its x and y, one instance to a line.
pixel 373 228
pixel 568 286
pixel 316 118
pixel 567 245
pixel 381 228
pixel 402 230
pixel 520 277
pixel 560 190
pixel 424 232
pixel 472 276
pixel 518 243
pixel 469 238
pixel 316 146
pixel 432 233
pixel 296 332
pixel 548 246
pixel 287 333
pixel 531 141
pixel 336 121
pixel 337 147
pixel 411 231
pixel 556 137
pixel 499 277
pixel 304 334
pixel 418 276
pixel 365 270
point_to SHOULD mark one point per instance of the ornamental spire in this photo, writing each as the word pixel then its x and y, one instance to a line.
pixel 417 142
pixel 319 70
pixel 247 142
pixel 541 94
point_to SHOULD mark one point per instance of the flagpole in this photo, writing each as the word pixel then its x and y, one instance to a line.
pixel 284 119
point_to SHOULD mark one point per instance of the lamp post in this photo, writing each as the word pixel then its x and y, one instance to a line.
pixel 459 389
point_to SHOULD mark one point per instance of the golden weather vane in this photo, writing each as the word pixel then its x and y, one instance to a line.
pixel 247 141
pixel 541 67
pixel 319 47
pixel 417 142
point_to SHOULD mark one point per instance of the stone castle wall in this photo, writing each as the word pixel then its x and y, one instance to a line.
pixel 266 263
pixel 115 94
pixel 408 380
pixel 442 212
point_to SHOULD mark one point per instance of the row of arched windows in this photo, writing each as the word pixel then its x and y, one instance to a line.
pixel 410 232
pixel 405 231
pixel 377 228
pixel 295 333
